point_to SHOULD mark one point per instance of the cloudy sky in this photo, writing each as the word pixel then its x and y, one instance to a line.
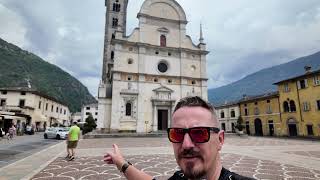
pixel 243 36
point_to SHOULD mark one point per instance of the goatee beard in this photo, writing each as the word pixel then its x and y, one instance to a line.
pixel 192 174
pixel 189 171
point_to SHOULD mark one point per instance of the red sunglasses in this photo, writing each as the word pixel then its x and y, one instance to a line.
pixel 197 134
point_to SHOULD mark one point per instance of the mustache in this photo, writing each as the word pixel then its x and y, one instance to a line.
pixel 189 153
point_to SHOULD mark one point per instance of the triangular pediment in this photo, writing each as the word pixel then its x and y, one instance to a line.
pixel 163 89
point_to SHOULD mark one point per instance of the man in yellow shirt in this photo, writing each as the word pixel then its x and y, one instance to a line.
pixel 73 138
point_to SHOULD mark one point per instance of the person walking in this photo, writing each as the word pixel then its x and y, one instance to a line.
pixel 12 132
pixel 2 133
pixel 73 138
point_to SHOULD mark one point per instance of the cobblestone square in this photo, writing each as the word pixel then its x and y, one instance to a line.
pixel 258 157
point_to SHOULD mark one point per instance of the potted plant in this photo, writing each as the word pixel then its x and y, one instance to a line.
pixel 239 127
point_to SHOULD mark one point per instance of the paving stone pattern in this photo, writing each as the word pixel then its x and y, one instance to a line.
pixel 315 154
pixel 243 155
pixel 163 141
pixel 163 166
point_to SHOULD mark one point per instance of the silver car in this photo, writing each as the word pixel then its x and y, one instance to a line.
pixel 56 132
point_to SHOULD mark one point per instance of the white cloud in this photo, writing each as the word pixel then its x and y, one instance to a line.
pixel 239 34
pixel 12 27
pixel 91 83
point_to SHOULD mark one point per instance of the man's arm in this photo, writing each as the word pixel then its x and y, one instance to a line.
pixel 131 173
pixel 69 134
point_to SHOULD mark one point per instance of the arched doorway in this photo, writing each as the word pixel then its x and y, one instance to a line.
pixel 292 127
pixel 258 127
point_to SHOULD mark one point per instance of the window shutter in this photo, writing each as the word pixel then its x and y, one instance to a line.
pixel 306 82
pixel 298 84
pixel 309 106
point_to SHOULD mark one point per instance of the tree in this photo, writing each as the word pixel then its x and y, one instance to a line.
pixel 89 125
pixel 240 125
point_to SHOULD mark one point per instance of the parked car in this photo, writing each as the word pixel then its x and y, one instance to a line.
pixel 56 132
pixel 29 130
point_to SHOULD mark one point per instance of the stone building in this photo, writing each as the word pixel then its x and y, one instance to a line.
pixel 76 117
pixel 147 72
pixel 88 109
pixel 24 106
pixel 227 115
pixel 261 114
pixel 300 104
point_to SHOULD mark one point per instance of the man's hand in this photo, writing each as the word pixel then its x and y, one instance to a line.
pixel 114 157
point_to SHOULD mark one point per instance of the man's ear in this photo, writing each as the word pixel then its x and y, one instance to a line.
pixel 221 139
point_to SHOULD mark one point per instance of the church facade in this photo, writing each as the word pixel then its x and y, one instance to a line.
pixel 145 73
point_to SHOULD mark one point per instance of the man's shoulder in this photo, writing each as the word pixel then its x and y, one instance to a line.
pixel 228 175
pixel 74 127
pixel 224 175
pixel 178 175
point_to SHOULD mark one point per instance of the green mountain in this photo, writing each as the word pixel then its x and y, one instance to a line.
pixel 262 81
pixel 17 67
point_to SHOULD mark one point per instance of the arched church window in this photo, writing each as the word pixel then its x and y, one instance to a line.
pixel 115 22
pixel 116 6
pixel 163 41
pixel 113 36
pixel 112 54
pixel 128 109
pixel 292 106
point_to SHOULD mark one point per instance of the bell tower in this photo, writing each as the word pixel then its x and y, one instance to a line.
pixel 116 17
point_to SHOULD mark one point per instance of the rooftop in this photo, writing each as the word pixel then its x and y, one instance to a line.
pixel 31 90
pixel 311 73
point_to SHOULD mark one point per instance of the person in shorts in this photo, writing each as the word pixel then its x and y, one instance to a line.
pixel 72 141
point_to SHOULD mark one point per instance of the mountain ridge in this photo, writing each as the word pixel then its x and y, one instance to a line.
pixel 19 68
pixel 264 78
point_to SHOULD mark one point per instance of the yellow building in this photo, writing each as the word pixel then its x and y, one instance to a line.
pixel 261 114
pixel 300 104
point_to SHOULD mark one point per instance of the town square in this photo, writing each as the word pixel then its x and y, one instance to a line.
pixel 159 89
pixel 261 158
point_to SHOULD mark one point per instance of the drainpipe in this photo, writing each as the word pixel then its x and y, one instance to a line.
pixel 280 114
pixel 299 104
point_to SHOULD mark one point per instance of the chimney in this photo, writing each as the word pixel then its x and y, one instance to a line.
pixel 307 69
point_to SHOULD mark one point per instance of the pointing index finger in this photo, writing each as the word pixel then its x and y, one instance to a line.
pixel 115 148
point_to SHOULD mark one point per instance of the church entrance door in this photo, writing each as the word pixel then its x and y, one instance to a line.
pixel 162 120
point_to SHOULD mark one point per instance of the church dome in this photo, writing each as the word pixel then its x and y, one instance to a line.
pixel 166 9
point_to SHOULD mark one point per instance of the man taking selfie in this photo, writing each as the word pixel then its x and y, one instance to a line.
pixel 196 141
